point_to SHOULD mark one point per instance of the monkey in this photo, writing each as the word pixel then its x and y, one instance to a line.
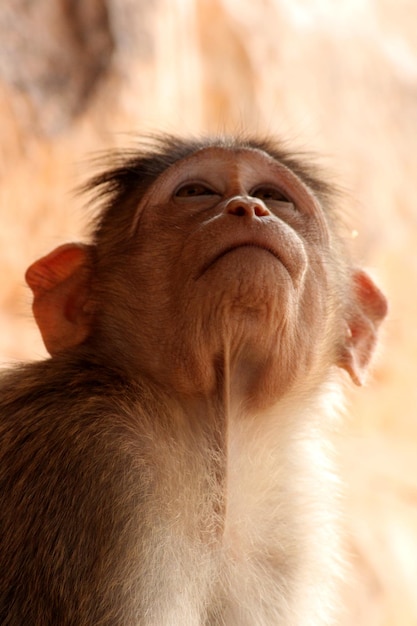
pixel 169 463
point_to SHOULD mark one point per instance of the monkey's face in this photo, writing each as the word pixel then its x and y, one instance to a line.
pixel 231 263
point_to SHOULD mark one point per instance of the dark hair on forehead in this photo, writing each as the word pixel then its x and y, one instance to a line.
pixel 128 174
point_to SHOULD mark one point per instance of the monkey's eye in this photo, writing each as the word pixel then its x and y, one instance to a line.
pixel 193 190
pixel 268 193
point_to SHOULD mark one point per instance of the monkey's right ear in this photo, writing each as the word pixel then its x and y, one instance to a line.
pixel 60 282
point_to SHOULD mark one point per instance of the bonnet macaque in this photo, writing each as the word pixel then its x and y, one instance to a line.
pixel 169 465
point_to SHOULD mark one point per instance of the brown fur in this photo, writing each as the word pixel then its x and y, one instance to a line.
pixel 169 464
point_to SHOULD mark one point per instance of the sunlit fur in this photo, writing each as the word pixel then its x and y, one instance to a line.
pixel 174 468
pixel 150 537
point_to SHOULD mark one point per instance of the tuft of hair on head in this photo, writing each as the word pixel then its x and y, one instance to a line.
pixel 124 175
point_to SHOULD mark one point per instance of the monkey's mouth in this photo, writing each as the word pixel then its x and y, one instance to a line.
pixel 238 246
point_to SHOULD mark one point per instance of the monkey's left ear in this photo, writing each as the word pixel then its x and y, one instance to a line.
pixel 60 282
pixel 368 309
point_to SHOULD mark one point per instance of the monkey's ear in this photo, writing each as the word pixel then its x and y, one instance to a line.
pixel 60 282
pixel 368 309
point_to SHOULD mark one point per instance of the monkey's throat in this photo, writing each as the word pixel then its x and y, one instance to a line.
pixel 221 436
pixel 212 416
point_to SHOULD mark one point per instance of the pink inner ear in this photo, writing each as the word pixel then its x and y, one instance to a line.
pixel 60 282
pixel 370 298
pixel 52 269
pixel 368 309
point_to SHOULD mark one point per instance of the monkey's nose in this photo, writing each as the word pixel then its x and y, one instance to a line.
pixel 246 206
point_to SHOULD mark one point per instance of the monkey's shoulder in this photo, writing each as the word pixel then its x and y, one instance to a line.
pixel 59 401
pixel 72 480
pixel 73 381
pixel 66 428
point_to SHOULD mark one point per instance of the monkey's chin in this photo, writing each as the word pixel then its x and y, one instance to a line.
pixel 247 258
pixel 253 285
pixel 252 311
pixel 248 272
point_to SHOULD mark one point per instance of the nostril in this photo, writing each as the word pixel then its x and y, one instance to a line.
pixel 246 207
pixel 240 211
pixel 260 210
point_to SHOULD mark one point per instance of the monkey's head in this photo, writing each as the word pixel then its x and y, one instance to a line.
pixel 207 257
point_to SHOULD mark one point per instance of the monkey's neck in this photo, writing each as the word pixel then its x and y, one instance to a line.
pixel 236 391
pixel 210 416
pixel 242 380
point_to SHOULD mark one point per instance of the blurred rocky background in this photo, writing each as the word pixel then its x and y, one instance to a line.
pixel 337 78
